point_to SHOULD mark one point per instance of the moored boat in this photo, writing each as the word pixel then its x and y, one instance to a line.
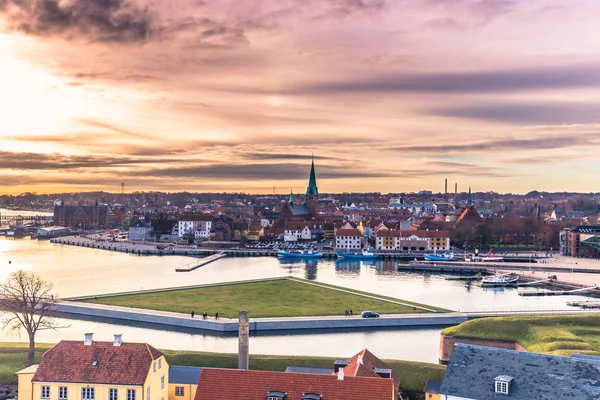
pixel 443 257
pixel 299 254
pixel 365 254
pixel 499 280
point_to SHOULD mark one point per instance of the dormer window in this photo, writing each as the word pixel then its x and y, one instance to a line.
pixel 275 395
pixel 312 396
pixel 502 384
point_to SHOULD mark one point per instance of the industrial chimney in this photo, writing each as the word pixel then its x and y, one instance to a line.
pixel 244 341
pixel 446 186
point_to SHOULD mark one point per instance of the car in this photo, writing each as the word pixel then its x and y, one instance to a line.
pixel 369 314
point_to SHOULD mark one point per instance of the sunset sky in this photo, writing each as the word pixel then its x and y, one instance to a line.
pixel 236 95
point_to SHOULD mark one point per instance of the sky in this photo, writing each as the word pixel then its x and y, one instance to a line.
pixel 238 96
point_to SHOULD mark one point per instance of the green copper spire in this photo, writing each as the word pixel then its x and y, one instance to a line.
pixel 469 199
pixel 312 181
pixel 291 200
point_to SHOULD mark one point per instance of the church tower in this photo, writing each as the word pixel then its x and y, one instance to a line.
pixel 312 192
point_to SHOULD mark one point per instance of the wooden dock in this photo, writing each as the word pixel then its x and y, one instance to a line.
pixel 200 263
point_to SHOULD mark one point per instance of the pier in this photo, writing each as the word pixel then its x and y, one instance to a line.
pixel 200 263
pixel 559 292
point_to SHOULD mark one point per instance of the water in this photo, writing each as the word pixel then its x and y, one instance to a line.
pixel 77 271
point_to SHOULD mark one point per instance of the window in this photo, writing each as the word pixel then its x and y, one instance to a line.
pixel 62 393
pixel 162 382
pixel 130 394
pixel 178 390
pixel 112 394
pixel 45 392
pixel 87 393
pixel 154 366
pixel 501 387
pixel 159 363
pixel 148 393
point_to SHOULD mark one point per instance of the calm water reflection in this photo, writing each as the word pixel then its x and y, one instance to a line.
pixel 79 271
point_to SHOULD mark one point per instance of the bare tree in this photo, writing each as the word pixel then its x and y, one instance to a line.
pixel 25 303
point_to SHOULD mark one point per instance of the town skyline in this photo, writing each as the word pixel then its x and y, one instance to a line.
pixel 389 96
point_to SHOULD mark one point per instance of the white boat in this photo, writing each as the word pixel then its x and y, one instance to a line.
pixel 365 254
pixel 499 280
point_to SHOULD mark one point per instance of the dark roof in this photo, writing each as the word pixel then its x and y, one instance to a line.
pixel 472 369
pixel 299 209
pixel 432 386
pixel 236 384
pixel 100 362
pixel 186 375
pixel 587 229
pixel 308 370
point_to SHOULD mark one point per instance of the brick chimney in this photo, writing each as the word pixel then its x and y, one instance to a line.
pixel 89 339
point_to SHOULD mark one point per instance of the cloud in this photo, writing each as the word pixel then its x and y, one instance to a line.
pixel 257 172
pixel 282 156
pixel 511 144
pixel 518 113
pixel 55 162
pixel 508 80
pixel 93 20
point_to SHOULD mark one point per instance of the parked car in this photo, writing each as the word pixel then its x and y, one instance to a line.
pixel 369 314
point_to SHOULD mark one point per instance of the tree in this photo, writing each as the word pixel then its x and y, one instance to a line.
pixel 26 301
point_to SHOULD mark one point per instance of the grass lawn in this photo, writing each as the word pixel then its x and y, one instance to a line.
pixel 413 374
pixel 272 298
pixel 559 335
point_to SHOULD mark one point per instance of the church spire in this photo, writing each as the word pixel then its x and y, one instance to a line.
pixel 312 181
pixel 291 200
pixel 470 198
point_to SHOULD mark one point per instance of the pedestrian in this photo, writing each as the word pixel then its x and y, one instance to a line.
pixel 350 311
pixel 346 312
pixel 192 314
pixel 216 315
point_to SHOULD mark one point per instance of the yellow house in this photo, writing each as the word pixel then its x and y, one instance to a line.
pixel 183 382
pixel 432 390
pixel 89 370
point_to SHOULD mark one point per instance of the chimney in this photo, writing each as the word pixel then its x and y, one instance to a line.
pixel 341 374
pixel 243 341
pixel 118 340
pixel 455 188
pixel 446 186
pixel 89 339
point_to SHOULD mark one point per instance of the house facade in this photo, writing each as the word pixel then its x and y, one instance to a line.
pixel 348 239
pixel 582 241
pixel 197 225
pixel 140 230
pixel 90 370
pixel 398 240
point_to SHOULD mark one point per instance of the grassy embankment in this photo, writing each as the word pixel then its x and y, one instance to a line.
pixel 558 335
pixel 285 297
pixel 413 374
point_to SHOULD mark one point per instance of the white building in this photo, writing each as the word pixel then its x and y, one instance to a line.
pixel 348 239
pixel 293 233
pixel 193 224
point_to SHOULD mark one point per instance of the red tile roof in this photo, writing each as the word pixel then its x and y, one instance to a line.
pixel 72 361
pixel 348 232
pixel 366 368
pixel 234 384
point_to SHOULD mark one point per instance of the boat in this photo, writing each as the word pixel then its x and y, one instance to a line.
pixel 306 253
pixel 499 280
pixel 488 257
pixel 443 257
pixel 365 254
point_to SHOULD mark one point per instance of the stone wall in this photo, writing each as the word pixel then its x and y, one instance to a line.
pixel 447 345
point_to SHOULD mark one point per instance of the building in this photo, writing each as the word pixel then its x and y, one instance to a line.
pixel 307 210
pixel 348 239
pixel 420 240
pixel 196 225
pixel 141 230
pixel 183 382
pixel 582 241
pixel 482 373
pixel 88 217
pixel 295 231
pixel 90 370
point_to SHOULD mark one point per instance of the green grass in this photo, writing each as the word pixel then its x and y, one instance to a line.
pixel 413 374
pixel 271 298
pixel 558 335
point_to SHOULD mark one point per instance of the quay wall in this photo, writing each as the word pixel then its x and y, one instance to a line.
pixel 447 345
pixel 68 308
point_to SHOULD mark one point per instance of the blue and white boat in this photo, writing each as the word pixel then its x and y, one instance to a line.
pixel 299 254
pixel 443 257
pixel 365 254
